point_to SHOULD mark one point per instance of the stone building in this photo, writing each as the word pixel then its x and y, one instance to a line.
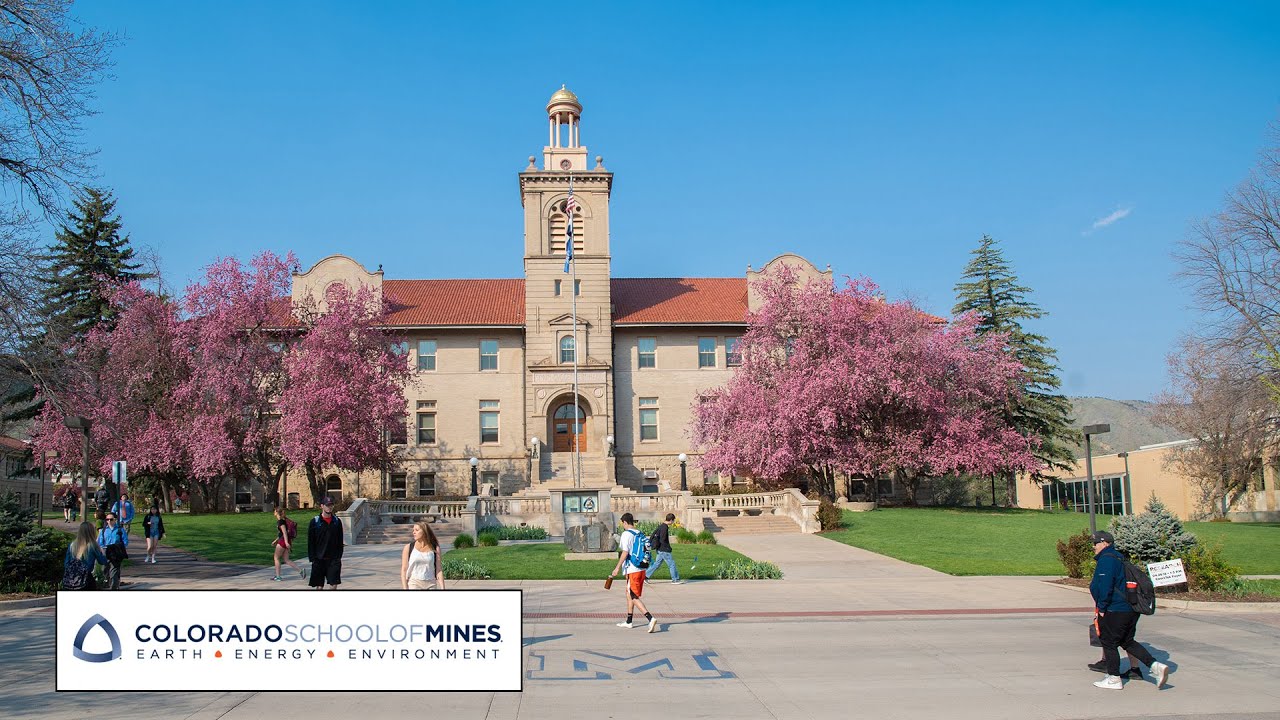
pixel 493 359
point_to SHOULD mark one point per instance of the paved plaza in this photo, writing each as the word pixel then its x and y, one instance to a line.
pixel 847 633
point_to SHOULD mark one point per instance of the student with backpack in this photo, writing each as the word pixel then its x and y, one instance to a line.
pixel 1117 608
pixel 661 541
pixel 115 543
pixel 286 531
pixel 633 556
pixel 152 530
pixel 325 546
pixel 82 555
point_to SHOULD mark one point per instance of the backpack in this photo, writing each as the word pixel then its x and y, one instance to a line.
pixel 639 553
pixel 290 529
pixel 1139 591
pixel 76 576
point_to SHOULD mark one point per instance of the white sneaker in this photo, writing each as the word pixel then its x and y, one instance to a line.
pixel 1159 673
pixel 653 625
pixel 677 582
pixel 1110 682
pixel 626 624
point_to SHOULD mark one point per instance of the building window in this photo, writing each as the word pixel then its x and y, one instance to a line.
pixel 577 287
pixel 488 421
pixel 648 352
pixel 426 422
pixel 488 354
pixel 732 356
pixel 244 493
pixel 426 483
pixel 400 348
pixel 490 476
pixel 398 483
pixel 333 488
pixel 566 349
pixel 398 434
pixel 556 223
pixel 1072 496
pixel 648 418
pixel 427 355
pixel 557 288
pixel 706 352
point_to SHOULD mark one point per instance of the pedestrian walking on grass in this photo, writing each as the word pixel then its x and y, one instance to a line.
pixel 324 547
pixel 631 545
pixel 286 532
pixel 661 540
pixel 152 530
pixel 82 555
pixel 420 564
pixel 1117 620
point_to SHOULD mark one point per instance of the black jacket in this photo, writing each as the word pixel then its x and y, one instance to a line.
pixel 661 539
pixel 324 539
pixel 146 524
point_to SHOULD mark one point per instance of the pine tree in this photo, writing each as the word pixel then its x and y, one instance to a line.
pixel 990 288
pixel 89 255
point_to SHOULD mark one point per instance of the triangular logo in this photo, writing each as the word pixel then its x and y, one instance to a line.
pixel 112 635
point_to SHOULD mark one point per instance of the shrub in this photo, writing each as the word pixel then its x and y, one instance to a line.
pixel 686 537
pixel 526 532
pixel 739 569
pixel 706 538
pixel 1075 552
pixel 485 538
pixel 715 489
pixel 1206 568
pixel 34 562
pixel 1154 535
pixel 647 526
pixel 830 517
pixel 462 569
pixel 463 541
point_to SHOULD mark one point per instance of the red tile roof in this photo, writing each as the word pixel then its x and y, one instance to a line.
pixel 455 302
pixel 501 302
pixel 680 300
pixel 9 443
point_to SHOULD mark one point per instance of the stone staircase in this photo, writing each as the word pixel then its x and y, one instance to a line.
pixel 557 471
pixel 389 533
pixel 750 524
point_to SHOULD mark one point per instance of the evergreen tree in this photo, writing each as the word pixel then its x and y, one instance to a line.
pixel 990 288
pixel 89 255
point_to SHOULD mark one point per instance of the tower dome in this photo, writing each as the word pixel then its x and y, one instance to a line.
pixel 564 101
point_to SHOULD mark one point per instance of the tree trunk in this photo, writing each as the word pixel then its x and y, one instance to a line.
pixel 1011 488
pixel 315 481
pixel 910 483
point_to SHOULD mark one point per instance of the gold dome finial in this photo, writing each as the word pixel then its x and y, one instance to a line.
pixel 562 98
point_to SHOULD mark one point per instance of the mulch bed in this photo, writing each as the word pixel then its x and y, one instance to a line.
pixel 1194 595
pixel 19 596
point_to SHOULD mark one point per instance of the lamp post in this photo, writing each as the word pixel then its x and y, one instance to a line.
pixel 1089 430
pixel 609 446
pixel 684 477
pixel 533 443
pixel 1128 497
pixel 83 424
pixel 475 463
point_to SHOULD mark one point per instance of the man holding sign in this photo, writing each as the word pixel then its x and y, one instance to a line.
pixel 1117 619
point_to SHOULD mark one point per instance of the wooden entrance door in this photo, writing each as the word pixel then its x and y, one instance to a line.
pixel 568 435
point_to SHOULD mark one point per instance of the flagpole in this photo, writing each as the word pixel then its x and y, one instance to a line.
pixel 573 295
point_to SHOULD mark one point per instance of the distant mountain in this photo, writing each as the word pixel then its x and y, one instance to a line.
pixel 1130 420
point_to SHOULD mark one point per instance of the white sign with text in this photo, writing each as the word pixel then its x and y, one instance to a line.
pixel 262 640
pixel 1169 572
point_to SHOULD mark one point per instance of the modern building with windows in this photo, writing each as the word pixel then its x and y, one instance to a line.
pixel 493 359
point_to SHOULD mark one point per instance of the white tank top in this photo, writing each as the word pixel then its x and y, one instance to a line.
pixel 422 565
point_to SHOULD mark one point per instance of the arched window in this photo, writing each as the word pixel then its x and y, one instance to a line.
pixel 335 291
pixel 333 487
pixel 566 349
pixel 556 228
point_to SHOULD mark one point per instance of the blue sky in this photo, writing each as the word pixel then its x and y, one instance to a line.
pixel 883 139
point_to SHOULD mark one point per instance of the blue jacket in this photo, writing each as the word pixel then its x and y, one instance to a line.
pixel 94 556
pixel 125 513
pixel 1107 586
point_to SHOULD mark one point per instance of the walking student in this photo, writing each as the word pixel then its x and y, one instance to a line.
pixel 82 555
pixel 635 574
pixel 286 531
pixel 661 540
pixel 1117 620
pixel 152 530
pixel 124 510
pixel 324 547
pixel 420 565
pixel 114 542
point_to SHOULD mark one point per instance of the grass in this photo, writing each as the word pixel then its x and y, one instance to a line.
pixel 545 561
pixel 997 541
pixel 240 538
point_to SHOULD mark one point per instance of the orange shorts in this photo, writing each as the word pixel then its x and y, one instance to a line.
pixel 635 583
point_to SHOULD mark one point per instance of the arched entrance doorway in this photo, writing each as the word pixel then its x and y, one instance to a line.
pixel 567 435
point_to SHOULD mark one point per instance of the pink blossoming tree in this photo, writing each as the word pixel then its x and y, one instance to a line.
pixel 843 382
pixel 344 385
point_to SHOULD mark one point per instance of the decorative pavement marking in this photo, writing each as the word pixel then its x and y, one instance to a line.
pixel 667 664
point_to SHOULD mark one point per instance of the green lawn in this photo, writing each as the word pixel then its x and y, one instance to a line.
pixel 545 561
pixel 242 538
pixel 987 541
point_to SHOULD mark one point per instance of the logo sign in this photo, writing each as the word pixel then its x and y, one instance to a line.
pixel 1169 572
pixel 263 640
pixel 119 472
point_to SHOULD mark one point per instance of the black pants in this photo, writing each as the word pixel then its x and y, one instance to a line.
pixel 1117 630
